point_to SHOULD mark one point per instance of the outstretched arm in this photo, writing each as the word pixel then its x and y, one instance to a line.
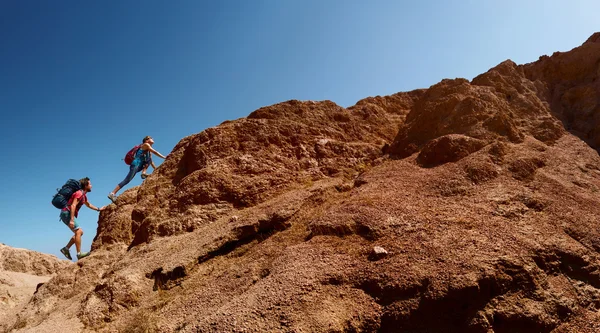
pixel 90 206
pixel 152 150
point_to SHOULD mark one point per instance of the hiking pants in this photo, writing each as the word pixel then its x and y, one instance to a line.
pixel 133 169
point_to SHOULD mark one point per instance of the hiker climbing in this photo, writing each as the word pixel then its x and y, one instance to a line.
pixel 69 199
pixel 138 158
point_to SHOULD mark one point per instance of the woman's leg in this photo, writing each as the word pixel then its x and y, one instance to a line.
pixel 133 169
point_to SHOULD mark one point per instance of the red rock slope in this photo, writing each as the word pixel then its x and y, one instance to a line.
pixel 465 207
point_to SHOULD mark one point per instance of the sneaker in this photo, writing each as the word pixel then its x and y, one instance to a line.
pixel 66 252
pixel 112 198
pixel 144 176
pixel 82 255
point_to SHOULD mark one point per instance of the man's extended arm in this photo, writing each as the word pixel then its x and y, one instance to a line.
pixel 94 207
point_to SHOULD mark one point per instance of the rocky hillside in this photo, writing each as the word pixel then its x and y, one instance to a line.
pixel 21 273
pixel 29 262
pixel 470 206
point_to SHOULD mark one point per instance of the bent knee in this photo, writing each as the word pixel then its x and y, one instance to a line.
pixel 79 231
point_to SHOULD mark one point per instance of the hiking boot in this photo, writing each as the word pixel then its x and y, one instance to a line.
pixel 112 198
pixel 144 176
pixel 82 255
pixel 66 252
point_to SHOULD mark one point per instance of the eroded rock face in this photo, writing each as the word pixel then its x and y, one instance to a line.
pixel 570 84
pixel 448 148
pixel 483 195
pixel 500 105
pixel 29 262
pixel 242 163
pixel 22 272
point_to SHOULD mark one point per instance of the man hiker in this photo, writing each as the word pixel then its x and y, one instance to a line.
pixel 69 217
pixel 142 158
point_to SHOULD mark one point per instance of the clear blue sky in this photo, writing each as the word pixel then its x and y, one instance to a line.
pixel 83 81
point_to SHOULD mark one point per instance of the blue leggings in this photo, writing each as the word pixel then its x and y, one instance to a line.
pixel 133 169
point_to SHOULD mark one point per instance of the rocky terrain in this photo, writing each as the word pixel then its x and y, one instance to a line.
pixel 470 206
pixel 21 273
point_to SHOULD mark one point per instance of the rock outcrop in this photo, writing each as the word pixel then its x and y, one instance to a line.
pixel 29 262
pixel 22 272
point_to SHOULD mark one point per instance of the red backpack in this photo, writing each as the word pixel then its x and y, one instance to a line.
pixel 131 154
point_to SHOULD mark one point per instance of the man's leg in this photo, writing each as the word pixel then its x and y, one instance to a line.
pixel 71 242
pixel 78 234
pixel 65 217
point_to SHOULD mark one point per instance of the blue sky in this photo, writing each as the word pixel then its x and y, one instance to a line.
pixel 81 82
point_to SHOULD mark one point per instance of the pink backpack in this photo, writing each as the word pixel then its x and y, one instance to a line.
pixel 131 154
